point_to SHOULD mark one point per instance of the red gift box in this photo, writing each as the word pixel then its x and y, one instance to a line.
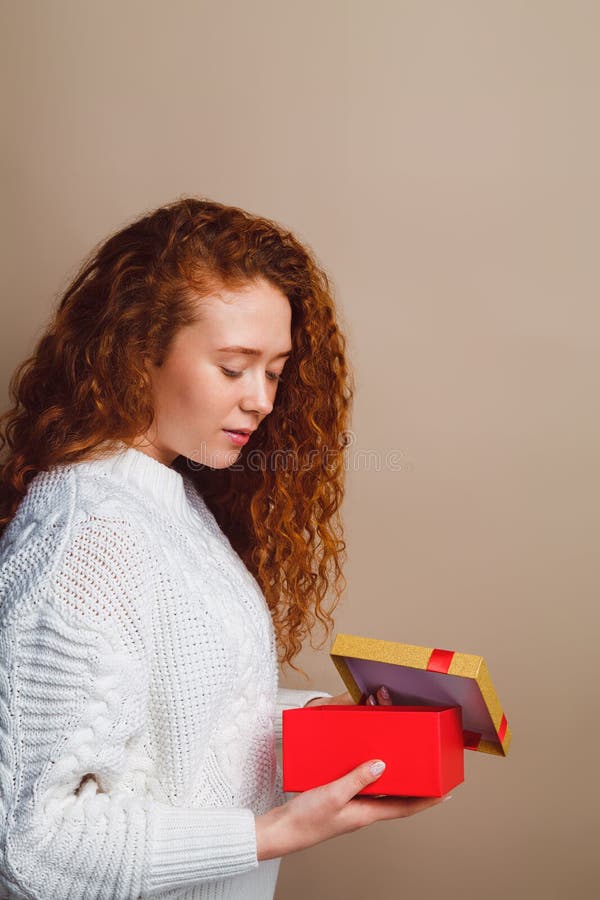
pixel 443 702
pixel 421 746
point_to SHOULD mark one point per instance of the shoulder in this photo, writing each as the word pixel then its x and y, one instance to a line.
pixel 74 536
pixel 65 499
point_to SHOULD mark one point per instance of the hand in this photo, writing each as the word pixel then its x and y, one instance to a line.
pixel 328 811
pixel 346 698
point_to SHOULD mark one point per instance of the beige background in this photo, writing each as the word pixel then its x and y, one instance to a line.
pixel 442 160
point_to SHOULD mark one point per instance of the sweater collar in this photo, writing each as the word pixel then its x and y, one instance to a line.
pixel 151 477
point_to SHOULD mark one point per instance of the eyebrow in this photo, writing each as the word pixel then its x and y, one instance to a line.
pixel 250 351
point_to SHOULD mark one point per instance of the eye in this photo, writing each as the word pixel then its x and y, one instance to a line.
pixel 230 373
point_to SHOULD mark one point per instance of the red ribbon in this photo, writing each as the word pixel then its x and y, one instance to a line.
pixel 440 660
pixel 502 729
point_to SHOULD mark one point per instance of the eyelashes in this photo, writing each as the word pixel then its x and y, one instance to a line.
pixel 231 374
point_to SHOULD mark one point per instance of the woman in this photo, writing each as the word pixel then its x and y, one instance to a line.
pixel 170 488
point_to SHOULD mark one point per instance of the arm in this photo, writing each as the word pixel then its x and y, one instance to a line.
pixel 291 698
pixel 77 816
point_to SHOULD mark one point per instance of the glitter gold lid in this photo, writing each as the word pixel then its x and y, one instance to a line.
pixel 426 676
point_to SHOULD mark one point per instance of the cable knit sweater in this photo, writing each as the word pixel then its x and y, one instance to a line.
pixel 139 699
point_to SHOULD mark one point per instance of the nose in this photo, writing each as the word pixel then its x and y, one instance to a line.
pixel 259 396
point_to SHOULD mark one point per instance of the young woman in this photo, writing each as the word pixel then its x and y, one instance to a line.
pixel 171 477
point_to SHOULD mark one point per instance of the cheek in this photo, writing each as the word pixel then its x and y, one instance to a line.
pixel 192 390
pixel 206 392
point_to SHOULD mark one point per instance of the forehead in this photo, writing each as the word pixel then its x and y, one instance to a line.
pixel 257 316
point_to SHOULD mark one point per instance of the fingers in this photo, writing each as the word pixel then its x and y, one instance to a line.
pixel 329 810
pixel 351 784
pixel 348 786
pixel 393 807
pixel 381 697
pixel 356 812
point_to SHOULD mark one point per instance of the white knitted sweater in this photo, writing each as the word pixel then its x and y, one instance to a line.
pixel 139 699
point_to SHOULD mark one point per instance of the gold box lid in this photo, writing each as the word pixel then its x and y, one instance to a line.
pixel 426 676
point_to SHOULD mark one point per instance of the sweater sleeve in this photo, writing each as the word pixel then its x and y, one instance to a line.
pixel 291 698
pixel 78 815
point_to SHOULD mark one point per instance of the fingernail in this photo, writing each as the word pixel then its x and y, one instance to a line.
pixel 447 797
pixel 384 692
pixel 377 767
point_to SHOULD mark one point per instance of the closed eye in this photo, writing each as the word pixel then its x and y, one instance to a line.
pixel 232 374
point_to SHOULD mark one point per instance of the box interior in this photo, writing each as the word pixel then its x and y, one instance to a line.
pixel 410 686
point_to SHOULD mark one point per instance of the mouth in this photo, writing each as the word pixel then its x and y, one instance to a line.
pixel 238 437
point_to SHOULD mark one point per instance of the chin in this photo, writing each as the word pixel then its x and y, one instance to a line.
pixel 220 459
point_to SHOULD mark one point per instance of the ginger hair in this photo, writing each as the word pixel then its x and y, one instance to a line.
pixel 85 388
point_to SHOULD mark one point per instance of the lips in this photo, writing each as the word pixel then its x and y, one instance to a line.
pixel 238 437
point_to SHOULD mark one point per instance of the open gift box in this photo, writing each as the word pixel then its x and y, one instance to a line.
pixel 442 703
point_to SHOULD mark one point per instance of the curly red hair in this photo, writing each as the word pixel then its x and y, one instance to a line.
pixel 86 386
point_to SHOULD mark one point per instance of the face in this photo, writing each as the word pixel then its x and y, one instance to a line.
pixel 204 391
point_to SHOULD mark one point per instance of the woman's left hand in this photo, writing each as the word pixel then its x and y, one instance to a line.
pixel 379 698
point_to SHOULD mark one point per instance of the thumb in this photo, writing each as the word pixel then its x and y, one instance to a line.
pixel 361 776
